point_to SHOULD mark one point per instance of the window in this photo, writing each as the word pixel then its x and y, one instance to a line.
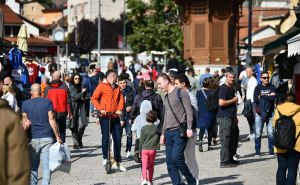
pixel 82 8
pixel 16 30
pixel 217 35
pixel 187 37
pixel 7 31
pixel 200 35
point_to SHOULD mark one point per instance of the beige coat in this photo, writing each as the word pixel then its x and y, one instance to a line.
pixel 14 155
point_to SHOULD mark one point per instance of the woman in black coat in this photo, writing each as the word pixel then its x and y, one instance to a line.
pixel 79 101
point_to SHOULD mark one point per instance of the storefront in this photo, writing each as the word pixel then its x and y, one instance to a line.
pixel 294 52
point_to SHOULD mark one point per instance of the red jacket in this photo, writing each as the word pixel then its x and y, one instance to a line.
pixel 107 98
pixel 59 94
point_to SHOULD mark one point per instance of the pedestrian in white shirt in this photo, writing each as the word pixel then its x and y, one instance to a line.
pixel 250 86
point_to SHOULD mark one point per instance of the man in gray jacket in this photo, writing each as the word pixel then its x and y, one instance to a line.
pixel 176 113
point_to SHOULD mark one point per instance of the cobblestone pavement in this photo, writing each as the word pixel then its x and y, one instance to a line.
pixel 87 166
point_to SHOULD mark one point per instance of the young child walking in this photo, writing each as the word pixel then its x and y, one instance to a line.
pixel 149 143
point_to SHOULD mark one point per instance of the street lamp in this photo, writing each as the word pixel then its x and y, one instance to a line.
pixel 58 37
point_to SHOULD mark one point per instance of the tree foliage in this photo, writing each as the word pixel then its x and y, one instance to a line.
pixel 156 26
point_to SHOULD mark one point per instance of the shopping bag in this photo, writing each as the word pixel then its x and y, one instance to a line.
pixel 59 158
pixel 66 160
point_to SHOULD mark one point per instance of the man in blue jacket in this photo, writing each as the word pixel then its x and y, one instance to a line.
pixel 264 100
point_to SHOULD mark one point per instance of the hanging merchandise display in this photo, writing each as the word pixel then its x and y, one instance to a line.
pixel 33 70
pixel 19 70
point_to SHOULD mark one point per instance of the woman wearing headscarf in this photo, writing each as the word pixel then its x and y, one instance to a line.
pixel 79 108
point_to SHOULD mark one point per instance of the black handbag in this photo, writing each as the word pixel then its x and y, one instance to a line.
pixel 182 125
pixel 247 112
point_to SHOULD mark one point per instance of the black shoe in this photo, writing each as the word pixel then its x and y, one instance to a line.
pixel 235 162
pixel 227 165
pixel 80 144
pixel 75 147
pixel 200 147
pixel 215 142
pixel 210 148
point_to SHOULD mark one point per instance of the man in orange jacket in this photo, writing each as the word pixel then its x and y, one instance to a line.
pixel 108 99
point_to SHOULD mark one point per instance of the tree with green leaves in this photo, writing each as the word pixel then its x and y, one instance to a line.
pixel 156 26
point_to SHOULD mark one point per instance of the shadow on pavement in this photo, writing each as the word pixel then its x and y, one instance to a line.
pixel 233 183
pixel 85 155
pixel 162 176
pixel 218 179
pixel 99 184
pixel 253 160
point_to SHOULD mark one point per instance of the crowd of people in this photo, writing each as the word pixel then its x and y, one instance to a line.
pixel 171 109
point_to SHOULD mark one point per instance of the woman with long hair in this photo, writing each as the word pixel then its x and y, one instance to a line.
pixel 79 99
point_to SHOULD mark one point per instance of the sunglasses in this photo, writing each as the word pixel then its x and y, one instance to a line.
pixel 265 77
pixel 76 78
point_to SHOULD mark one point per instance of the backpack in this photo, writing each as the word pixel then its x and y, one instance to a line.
pixel 285 131
pixel 195 112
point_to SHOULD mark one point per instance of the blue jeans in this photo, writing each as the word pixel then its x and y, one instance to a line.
pixel 127 127
pixel 39 151
pixel 175 146
pixel 116 131
pixel 287 162
pixel 259 125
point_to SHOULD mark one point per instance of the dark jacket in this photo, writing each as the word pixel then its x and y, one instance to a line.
pixel 263 101
pixel 153 97
pixel 128 94
pixel 59 94
pixel 18 95
pixel 79 108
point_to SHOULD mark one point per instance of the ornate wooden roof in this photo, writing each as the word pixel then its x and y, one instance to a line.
pixel 214 8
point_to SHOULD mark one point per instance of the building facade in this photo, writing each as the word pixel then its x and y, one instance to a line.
pixel 89 9
pixel 210 31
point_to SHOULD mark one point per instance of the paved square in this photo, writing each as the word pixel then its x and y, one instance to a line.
pixel 87 166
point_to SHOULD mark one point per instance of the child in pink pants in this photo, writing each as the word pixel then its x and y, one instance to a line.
pixel 149 143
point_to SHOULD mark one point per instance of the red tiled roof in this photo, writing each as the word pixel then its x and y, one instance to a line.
pixel 261 12
pixel 244 32
pixel 33 41
pixel 262 42
pixel 10 17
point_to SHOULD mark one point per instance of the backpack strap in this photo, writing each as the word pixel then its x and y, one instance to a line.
pixel 204 93
pixel 180 99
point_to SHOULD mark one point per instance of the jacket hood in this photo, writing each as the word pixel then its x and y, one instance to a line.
pixel 148 93
pixel 146 107
pixel 55 83
pixel 288 109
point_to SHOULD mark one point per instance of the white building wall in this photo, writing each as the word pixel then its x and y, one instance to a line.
pixel 262 34
pixel 32 29
pixel 109 10
pixel 13 5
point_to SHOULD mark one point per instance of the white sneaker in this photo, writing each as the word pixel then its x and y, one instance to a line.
pixel 150 183
pixel 121 167
pixel 128 155
pixel 197 182
pixel 252 136
pixel 236 156
pixel 144 182
pixel 104 162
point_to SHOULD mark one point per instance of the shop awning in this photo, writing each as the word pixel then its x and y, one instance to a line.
pixel 294 46
pixel 281 43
